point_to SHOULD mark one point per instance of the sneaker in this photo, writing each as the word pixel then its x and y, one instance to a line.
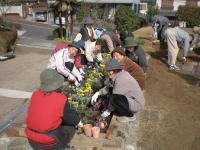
pixel 126 119
pixel 105 114
pixel 173 67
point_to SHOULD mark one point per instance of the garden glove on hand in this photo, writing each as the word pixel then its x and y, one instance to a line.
pixel 105 114
pixel 71 77
pixel 80 124
pixel 94 98
pixel 77 83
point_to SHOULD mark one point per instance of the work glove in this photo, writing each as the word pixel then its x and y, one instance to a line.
pixel 105 114
pixel 94 98
pixel 72 77
pixel 77 84
pixel 80 124
pixel 184 59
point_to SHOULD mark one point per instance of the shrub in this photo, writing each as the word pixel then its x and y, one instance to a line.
pixel 152 11
pixel 126 19
pixel 189 14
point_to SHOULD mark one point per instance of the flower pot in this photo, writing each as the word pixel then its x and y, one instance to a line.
pixel 95 132
pixel 87 128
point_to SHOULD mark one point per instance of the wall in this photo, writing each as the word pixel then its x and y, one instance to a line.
pixel 13 9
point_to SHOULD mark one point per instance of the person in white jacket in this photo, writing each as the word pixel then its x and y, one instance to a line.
pixel 93 51
pixel 63 63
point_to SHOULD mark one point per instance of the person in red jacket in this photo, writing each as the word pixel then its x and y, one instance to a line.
pixel 50 119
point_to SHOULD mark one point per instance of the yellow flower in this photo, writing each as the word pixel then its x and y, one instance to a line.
pixel 102 65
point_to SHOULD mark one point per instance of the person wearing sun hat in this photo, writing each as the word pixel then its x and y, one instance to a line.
pixel 136 53
pixel 63 62
pixel 125 97
pixel 50 119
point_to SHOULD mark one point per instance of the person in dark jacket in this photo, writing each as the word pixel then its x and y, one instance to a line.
pixel 50 119
pixel 136 53
pixel 163 23
pixel 87 31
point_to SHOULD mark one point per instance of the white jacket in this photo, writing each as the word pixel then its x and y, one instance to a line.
pixel 90 52
pixel 58 60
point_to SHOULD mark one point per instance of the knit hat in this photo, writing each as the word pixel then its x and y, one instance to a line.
pixel 118 50
pixel 79 45
pixel 130 42
pixel 112 64
pixel 50 80
pixel 87 21
pixel 196 29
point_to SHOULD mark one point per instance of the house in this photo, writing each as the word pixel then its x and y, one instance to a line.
pixel 169 7
pixel 39 11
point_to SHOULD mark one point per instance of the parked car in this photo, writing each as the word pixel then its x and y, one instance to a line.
pixel 41 16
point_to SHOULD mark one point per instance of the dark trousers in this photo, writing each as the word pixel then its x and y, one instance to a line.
pixel 63 135
pixel 119 105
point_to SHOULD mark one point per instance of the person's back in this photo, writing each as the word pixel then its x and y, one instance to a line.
pixel 134 70
pixel 50 120
pixel 126 85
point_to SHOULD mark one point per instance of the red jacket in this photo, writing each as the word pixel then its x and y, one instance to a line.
pixel 44 114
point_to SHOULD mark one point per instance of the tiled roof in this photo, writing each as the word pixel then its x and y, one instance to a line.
pixel 39 5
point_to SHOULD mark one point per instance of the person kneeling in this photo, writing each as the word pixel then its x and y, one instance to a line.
pixel 50 119
pixel 125 94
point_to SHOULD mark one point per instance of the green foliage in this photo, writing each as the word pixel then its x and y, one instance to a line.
pixel 126 19
pixel 152 11
pixel 190 14
pixel 109 26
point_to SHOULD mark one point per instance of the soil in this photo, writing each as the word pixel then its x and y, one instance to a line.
pixel 170 120
pixel 171 117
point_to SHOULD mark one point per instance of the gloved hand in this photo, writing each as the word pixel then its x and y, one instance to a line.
pixel 71 77
pixel 184 59
pixel 80 78
pixel 81 71
pixel 191 48
pixel 77 83
pixel 105 114
pixel 94 97
pixel 80 124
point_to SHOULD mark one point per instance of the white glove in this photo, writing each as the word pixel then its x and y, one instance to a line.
pixel 105 114
pixel 81 71
pixel 94 97
pixel 191 48
pixel 71 77
pixel 184 58
pixel 80 124
pixel 77 83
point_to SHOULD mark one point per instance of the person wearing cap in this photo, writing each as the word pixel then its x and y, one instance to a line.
pixel 128 65
pixel 87 32
pixel 107 43
pixel 125 95
pixel 136 53
pixel 177 39
pixel 163 23
pixel 196 41
pixel 63 62
pixel 50 119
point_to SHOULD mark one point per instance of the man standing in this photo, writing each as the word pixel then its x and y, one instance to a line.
pixel 177 39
